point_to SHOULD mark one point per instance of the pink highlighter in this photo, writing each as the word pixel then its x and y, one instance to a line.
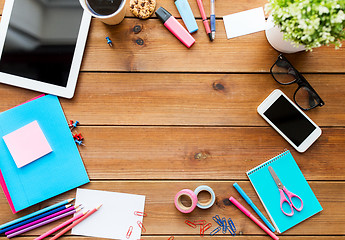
pixel 175 27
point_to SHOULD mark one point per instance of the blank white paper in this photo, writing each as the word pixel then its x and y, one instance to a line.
pixel 115 216
pixel 242 23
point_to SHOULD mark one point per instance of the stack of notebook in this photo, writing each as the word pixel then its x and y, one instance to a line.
pixel 58 170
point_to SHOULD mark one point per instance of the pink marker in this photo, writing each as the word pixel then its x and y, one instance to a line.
pixel 175 27
pixel 254 219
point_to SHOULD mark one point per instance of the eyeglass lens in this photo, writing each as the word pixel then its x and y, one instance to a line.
pixel 283 72
pixel 305 98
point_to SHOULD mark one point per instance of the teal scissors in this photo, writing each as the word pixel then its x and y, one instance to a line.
pixel 284 191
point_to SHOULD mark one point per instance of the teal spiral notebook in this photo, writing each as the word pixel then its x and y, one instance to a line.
pixel 292 178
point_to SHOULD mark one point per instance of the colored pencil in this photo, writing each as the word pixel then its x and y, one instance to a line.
pixel 61 226
pixel 17 225
pixel 40 220
pixel 36 213
pixel 42 223
pixel 75 223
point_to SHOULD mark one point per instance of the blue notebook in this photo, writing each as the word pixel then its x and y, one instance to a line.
pixel 292 178
pixel 57 172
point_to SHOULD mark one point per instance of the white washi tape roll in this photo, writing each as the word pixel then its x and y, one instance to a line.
pixel 210 201
pixel 189 201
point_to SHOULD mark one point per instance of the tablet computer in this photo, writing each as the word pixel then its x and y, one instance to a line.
pixel 42 44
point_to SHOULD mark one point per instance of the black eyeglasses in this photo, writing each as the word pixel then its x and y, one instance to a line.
pixel 305 96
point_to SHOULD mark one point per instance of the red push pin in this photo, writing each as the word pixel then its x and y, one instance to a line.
pixel 78 136
pixel 70 123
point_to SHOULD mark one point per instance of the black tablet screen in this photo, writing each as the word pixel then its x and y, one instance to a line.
pixel 40 40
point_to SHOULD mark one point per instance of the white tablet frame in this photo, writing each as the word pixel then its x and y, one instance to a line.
pixel 269 101
pixel 32 84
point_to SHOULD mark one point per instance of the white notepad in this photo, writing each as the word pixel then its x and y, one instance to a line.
pixel 115 216
pixel 246 22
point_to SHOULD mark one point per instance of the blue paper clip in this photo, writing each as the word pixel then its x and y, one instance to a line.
pixel 231 227
pixel 217 220
pixel 215 231
pixel 225 226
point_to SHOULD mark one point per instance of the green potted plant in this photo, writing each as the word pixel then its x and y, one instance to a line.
pixel 305 24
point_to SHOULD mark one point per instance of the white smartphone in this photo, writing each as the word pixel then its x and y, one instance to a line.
pixel 289 120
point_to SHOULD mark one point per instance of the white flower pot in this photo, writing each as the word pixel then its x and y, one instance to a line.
pixel 275 38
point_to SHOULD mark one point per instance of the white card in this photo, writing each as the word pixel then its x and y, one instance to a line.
pixel 115 216
pixel 242 23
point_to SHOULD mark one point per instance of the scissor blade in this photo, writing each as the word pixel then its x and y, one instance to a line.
pixel 275 178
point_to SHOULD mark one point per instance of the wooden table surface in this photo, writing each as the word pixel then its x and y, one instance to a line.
pixel 158 118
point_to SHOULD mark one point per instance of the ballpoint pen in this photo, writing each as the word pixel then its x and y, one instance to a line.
pixel 213 19
pixel 204 18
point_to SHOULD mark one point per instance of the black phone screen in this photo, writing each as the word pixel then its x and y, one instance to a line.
pixel 289 120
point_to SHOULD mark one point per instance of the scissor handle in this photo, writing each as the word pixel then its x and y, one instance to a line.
pixel 282 200
pixel 292 195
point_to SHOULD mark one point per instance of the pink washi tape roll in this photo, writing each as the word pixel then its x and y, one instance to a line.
pixel 185 201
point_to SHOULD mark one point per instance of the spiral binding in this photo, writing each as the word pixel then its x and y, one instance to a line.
pixel 268 162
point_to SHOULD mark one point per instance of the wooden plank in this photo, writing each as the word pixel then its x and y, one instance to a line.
pixel 201 153
pixel 158 50
pixel 182 99
pixel 222 7
pixel 163 218
pixel 192 99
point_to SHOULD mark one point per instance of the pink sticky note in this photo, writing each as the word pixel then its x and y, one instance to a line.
pixel 27 144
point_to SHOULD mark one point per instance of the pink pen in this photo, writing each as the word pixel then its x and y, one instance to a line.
pixel 245 211
pixel 175 27
pixel 204 19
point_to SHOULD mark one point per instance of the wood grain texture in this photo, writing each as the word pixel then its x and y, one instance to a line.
pixel 183 99
pixel 201 153
pixel 222 7
pixel 163 218
pixel 162 52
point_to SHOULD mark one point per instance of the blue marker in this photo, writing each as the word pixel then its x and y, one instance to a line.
pixel 187 15
pixel 250 202
pixel 213 20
